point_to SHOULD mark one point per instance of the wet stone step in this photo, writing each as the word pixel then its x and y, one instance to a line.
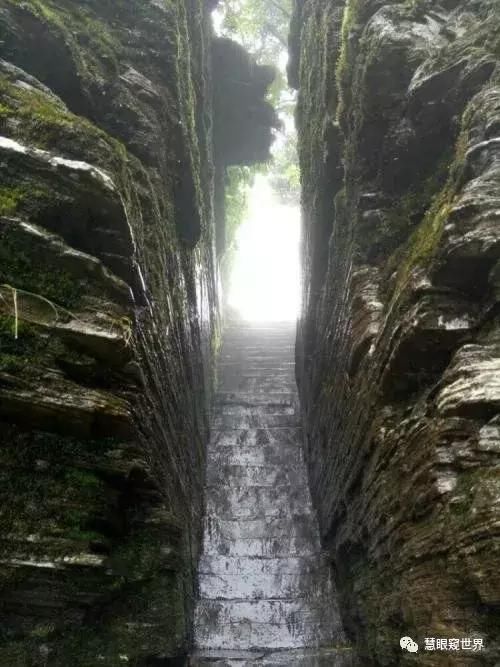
pixel 229 538
pixel 255 399
pixel 253 362
pixel 260 333
pixel 281 355
pixel 268 349
pixel 256 411
pixel 260 337
pixel 323 657
pixel 268 586
pixel 270 384
pixel 259 341
pixel 255 456
pixel 228 374
pixel 224 422
pixel 265 547
pixel 249 475
pixel 298 525
pixel 256 360
pixel 264 343
pixel 255 502
pixel 259 371
pixel 230 377
pixel 264 584
pixel 258 438
pixel 238 624
pixel 292 565
pixel 271 348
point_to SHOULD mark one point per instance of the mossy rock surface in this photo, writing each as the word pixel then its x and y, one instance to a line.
pixel 399 158
pixel 105 125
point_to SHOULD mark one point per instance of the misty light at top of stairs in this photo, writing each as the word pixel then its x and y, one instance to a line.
pixel 265 279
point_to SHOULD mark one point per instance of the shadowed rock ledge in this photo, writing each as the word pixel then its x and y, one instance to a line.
pixel 108 325
pixel 399 344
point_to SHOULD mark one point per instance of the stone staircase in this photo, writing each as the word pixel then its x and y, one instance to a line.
pixel 266 597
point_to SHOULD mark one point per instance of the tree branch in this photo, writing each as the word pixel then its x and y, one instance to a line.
pixel 280 8
pixel 272 31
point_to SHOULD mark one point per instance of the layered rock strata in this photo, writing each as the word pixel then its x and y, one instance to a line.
pixel 108 326
pixel 399 341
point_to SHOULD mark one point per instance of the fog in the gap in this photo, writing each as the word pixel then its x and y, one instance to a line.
pixel 265 281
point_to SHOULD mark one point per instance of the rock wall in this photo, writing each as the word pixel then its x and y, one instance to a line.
pixel 243 119
pixel 399 340
pixel 108 326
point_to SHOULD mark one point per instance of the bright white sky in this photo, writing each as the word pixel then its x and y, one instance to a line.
pixel 265 281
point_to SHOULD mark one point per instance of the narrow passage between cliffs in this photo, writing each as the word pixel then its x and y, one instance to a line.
pixel 266 595
pixel 265 591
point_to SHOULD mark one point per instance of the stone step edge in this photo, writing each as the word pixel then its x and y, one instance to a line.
pixel 266 653
pixel 213 656
pixel 250 600
pixel 216 429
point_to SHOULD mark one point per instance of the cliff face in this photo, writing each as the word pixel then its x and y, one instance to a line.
pixel 107 258
pixel 108 325
pixel 399 342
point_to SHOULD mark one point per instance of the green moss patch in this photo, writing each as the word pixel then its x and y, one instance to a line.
pixel 129 628
pixel 25 353
pixel 10 199
pixel 423 244
pixel 22 267
pixel 91 44
pixel 43 121
pixel 345 62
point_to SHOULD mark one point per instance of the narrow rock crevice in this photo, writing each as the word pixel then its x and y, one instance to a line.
pixel 149 519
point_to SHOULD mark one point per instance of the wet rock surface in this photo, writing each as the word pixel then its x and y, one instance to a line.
pixel 109 319
pixel 398 350
pixel 108 323
pixel 266 596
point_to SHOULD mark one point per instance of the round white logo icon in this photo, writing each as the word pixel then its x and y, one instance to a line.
pixel 407 644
